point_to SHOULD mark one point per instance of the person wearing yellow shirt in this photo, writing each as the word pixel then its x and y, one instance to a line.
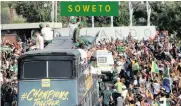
pixel 118 86
pixel 132 61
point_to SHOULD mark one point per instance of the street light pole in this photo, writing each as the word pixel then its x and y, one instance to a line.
pixel 130 13
pixel 92 21
pixel 111 21
pixel 148 8
pixel 53 12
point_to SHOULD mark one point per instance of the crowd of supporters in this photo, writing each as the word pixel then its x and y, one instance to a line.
pixel 9 61
pixel 149 72
pixel 9 71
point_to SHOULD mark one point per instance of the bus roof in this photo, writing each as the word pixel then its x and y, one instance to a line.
pixel 66 42
pixel 60 45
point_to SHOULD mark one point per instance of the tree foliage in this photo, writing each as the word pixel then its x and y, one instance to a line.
pixel 5 17
pixel 165 16
pixel 34 11
pixel 123 18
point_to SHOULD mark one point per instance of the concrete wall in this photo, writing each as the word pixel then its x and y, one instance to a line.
pixel 28 26
pixel 138 32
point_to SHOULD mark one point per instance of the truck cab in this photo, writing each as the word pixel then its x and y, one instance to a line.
pixel 104 64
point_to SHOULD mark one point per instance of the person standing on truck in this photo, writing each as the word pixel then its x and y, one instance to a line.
pixel 76 33
pixel 47 34
pixel 74 22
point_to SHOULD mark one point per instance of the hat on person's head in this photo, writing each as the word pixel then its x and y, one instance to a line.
pixel 74 20
pixel 41 25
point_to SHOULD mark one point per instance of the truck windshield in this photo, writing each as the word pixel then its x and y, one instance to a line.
pixel 47 69
pixel 60 69
pixel 102 59
pixel 34 69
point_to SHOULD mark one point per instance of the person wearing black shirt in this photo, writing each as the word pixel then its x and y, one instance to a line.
pixel 115 95
pixel 173 52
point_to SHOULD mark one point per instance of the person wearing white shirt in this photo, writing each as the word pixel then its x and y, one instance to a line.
pixel 47 34
pixel 72 27
pixel 73 24
pixel 163 100
pixel 124 91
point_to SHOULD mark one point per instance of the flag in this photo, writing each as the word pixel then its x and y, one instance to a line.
pixel 154 67
pixel 167 84
pixel 166 73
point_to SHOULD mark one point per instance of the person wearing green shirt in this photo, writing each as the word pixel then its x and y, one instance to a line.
pixel 14 67
pixel 155 102
pixel 107 96
pixel 74 20
pixel 136 67
pixel 120 49
pixel 118 86
pixel 76 33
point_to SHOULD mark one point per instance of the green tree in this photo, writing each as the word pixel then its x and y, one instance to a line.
pixel 5 18
pixel 139 14
pixel 102 21
pixel 167 16
pixel 34 11
pixel 63 19
pixel 123 18
pixel 5 13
